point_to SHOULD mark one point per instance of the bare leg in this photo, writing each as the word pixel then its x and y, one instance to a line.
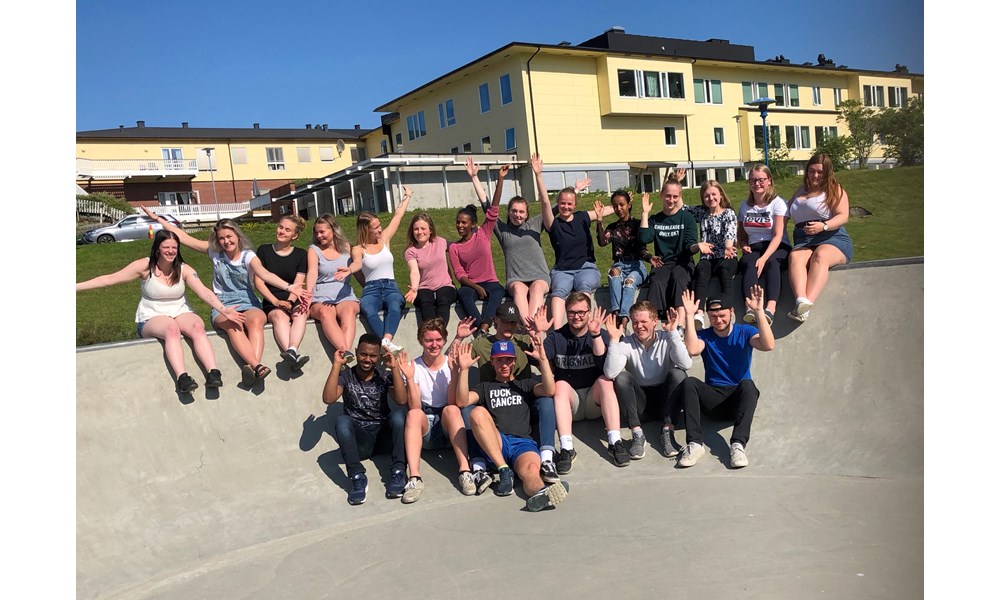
pixel 168 330
pixel 526 466
pixel 822 259
pixel 347 316
pixel 281 325
pixel 413 439
pixel 238 340
pixel 254 325
pixel 193 329
pixel 297 331
pixel 455 426
pixel 798 261
pixel 564 409
pixel 519 291
pixel 326 316
pixel 487 434
pixel 557 311
pixel 604 395
pixel 536 295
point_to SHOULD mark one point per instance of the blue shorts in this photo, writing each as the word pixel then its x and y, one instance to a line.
pixel 436 437
pixel 138 328
pixel 512 447
pixel 241 307
pixel 584 279
pixel 837 238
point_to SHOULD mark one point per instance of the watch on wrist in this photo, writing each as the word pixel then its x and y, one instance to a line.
pixel 825 226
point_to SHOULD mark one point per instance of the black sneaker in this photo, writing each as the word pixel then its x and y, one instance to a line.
pixel 483 481
pixel 564 463
pixel 549 495
pixel 506 485
pixel 300 360
pixel 214 379
pixel 186 383
pixel 396 484
pixel 619 455
pixel 359 489
pixel 548 472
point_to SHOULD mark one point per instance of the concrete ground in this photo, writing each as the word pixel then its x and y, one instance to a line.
pixel 242 494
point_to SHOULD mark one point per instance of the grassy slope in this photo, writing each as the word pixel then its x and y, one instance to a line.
pixel 895 229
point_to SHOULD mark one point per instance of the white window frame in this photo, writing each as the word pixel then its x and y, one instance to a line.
pixel 508 135
pixel 275 156
pixel 303 154
pixel 416 126
pixel 902 95
pixel 873 95
pixel 717 134
pixel 326 154
pixel 795 141
pixel 173 158
pixel 672 133
pixel 663 82
pixel 505 88
pixel 783 95
pixel 838 96
pixel 484 99
pixel 446 113
pixel 817 96
pixel 706 85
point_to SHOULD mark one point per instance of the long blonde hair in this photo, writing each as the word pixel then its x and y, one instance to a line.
pixel 213 238
pixel 339 239
pixel 770 193
pixel 364 219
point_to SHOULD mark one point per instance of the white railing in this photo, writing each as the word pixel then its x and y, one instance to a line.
pixel 205 212
pixel 93 207
pixel 126 167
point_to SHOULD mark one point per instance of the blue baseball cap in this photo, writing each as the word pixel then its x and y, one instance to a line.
pixel 503 348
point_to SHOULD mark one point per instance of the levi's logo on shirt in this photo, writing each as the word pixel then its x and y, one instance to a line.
pixel 757 220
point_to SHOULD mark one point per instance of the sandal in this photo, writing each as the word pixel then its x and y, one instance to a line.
pixel 261 371
pixel 248 376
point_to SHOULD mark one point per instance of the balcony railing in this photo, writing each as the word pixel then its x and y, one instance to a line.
pixel 123 168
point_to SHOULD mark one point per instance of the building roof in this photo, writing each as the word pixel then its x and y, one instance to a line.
pixel 140 131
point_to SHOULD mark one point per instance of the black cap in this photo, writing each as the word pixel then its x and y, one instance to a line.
pixel 508 312
pixel 718 304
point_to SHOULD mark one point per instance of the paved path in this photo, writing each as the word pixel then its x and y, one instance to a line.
pixel 243 495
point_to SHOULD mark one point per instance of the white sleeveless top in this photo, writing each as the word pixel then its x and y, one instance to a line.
pixel 802 209
pixel 159 299
pixel 377 266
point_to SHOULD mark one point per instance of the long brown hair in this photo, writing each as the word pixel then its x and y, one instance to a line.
pixel 426 218
pixel 154 254
pixel 834 191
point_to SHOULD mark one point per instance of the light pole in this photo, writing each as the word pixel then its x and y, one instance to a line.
pixel 762 104
pixel 211 171
pixel 739 142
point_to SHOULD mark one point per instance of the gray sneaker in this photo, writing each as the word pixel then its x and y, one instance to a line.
pixel 467 483
pixel 692 452
pixel 737 456
pixel 548 496
pixel 637 448
pixel 670 446
pixel 411 492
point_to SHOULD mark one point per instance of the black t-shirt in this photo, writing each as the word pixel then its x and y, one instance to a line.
pixel 367 402
pixel 508 403
pixel 572 357
pixel 571 242
pixel 285 267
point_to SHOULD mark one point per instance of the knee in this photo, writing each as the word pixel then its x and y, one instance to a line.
pixel 451 413
pixel 413 416
pixel 172 331
pixel 615 272
pixel 630 282
pixel 748 389
pixel 480 417
pixel 623 381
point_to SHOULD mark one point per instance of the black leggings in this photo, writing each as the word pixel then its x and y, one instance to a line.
pixel 723 269
pixel 771 272
pixel 435 303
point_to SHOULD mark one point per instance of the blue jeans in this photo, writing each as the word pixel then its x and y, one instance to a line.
pixel 358 443
pixel 467 297
pixel 379 294
pixel 584 279
pixel 622 287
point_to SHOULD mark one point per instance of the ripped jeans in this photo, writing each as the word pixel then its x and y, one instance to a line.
pixel 622 286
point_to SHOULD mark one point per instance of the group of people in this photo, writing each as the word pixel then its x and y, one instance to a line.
pixel 587 367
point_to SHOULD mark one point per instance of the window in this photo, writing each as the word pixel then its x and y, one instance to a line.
pixel 467 147
pixel 446 112
pixel 415 126
pixel 797 136
pixel 753 91
pixel 897 97
pixel 275 159
pixel 454 150
pixel 510 139
pixel 874 95
pixel 358 154
pixel 484 98
pixel 176 198
pixel 817 96
pixel 303 154
pixel 838 96
pixel 399 139
pixel 786 94
pixel 824 132
pixel 650 84
pixel 383 147
pixel 505 95
pixel 173 158
pixel 486 145
pixel 720 136
pixel 239 155
pixel 707 91
pixel 326 153
pixel 774 139
pixel 670 136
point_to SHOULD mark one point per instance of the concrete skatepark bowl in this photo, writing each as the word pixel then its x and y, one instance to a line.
pixel 242 494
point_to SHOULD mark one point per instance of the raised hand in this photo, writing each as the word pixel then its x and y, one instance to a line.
pixel 690 303
pixel 536 164
pixel 464 358
pixel 597 317
pixel 464 328
pixel 599 209
pixel 471 167
pixel 537 350
pixel 539 323
pixel 338 358
pixel 756 300
pixel 406 366
pixel 149 213
pixel 680 173
pixel 504 169
pixel 647 205
pixel 673 319
pixel 582 184
pixel 614 329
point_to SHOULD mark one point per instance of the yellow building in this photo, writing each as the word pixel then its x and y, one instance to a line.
pixel 622 108
pixel 188 166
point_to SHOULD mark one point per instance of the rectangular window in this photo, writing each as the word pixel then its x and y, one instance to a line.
pixel 509 139
pixel 779 94
pixel 838 96
pixel 720 136
pixel 824 132
pixel 484 98
pixel 797 136
pixel 486 145
pixel 384 147
pixel 793 94
pixel 675 85
pixel 651 84
pixel 874 95
pixel 326 153
pixel 897 97
pixel 752 90
pixel 303 154
pixel 505 95
pixel 626 83
pixel 275 159
pixel 817 96
pixel 399 139
pixel 670 136
pixel 415 126
pixel 467 147
pixel 454 150
pixel 707 91
pixel 239 154
pixel 758 137
pixel 358 154
pixel 446 112
pixel 173 158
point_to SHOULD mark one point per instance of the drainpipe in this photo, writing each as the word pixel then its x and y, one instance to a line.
pixel 687 142
pixel 531 99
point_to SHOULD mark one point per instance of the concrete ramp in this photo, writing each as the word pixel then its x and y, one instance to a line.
pixel 243 494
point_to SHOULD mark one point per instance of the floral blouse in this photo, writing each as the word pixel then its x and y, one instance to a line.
pixel 715 229
pixel 624 239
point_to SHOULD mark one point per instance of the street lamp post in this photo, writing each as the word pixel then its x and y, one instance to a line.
pixel 762 104
pixel 211 171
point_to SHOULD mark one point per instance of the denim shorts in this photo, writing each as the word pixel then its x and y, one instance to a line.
pixel 436 437
pixel 584 279
pixel 138 328
pixel 837 238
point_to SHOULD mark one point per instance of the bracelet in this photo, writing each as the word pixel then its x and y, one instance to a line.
pixel 595 335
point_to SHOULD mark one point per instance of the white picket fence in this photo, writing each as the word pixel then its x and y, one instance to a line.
pixel 95 208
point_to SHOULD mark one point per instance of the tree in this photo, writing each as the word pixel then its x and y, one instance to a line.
pixel 777 159
pixel 863 122
pixel 902 132
pixel 837 148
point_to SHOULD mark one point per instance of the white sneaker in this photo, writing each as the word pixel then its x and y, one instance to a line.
pixel 393 348
pixel 692 452
pixel 802 305
pixel 700 321
pixel 467 483
pixel 800 317
pixel 411 493
pixel 737 456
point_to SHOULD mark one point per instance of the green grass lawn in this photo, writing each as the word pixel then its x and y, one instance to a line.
pixel 895 197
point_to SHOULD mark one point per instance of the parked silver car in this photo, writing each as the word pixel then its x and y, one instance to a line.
pixel 132 227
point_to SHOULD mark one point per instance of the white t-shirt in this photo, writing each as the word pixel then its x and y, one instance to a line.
pixel 758 221
pixel 433 384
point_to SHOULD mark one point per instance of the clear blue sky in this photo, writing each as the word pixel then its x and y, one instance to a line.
pixel 285 64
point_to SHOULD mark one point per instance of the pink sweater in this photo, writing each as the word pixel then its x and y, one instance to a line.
pixel 474 257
